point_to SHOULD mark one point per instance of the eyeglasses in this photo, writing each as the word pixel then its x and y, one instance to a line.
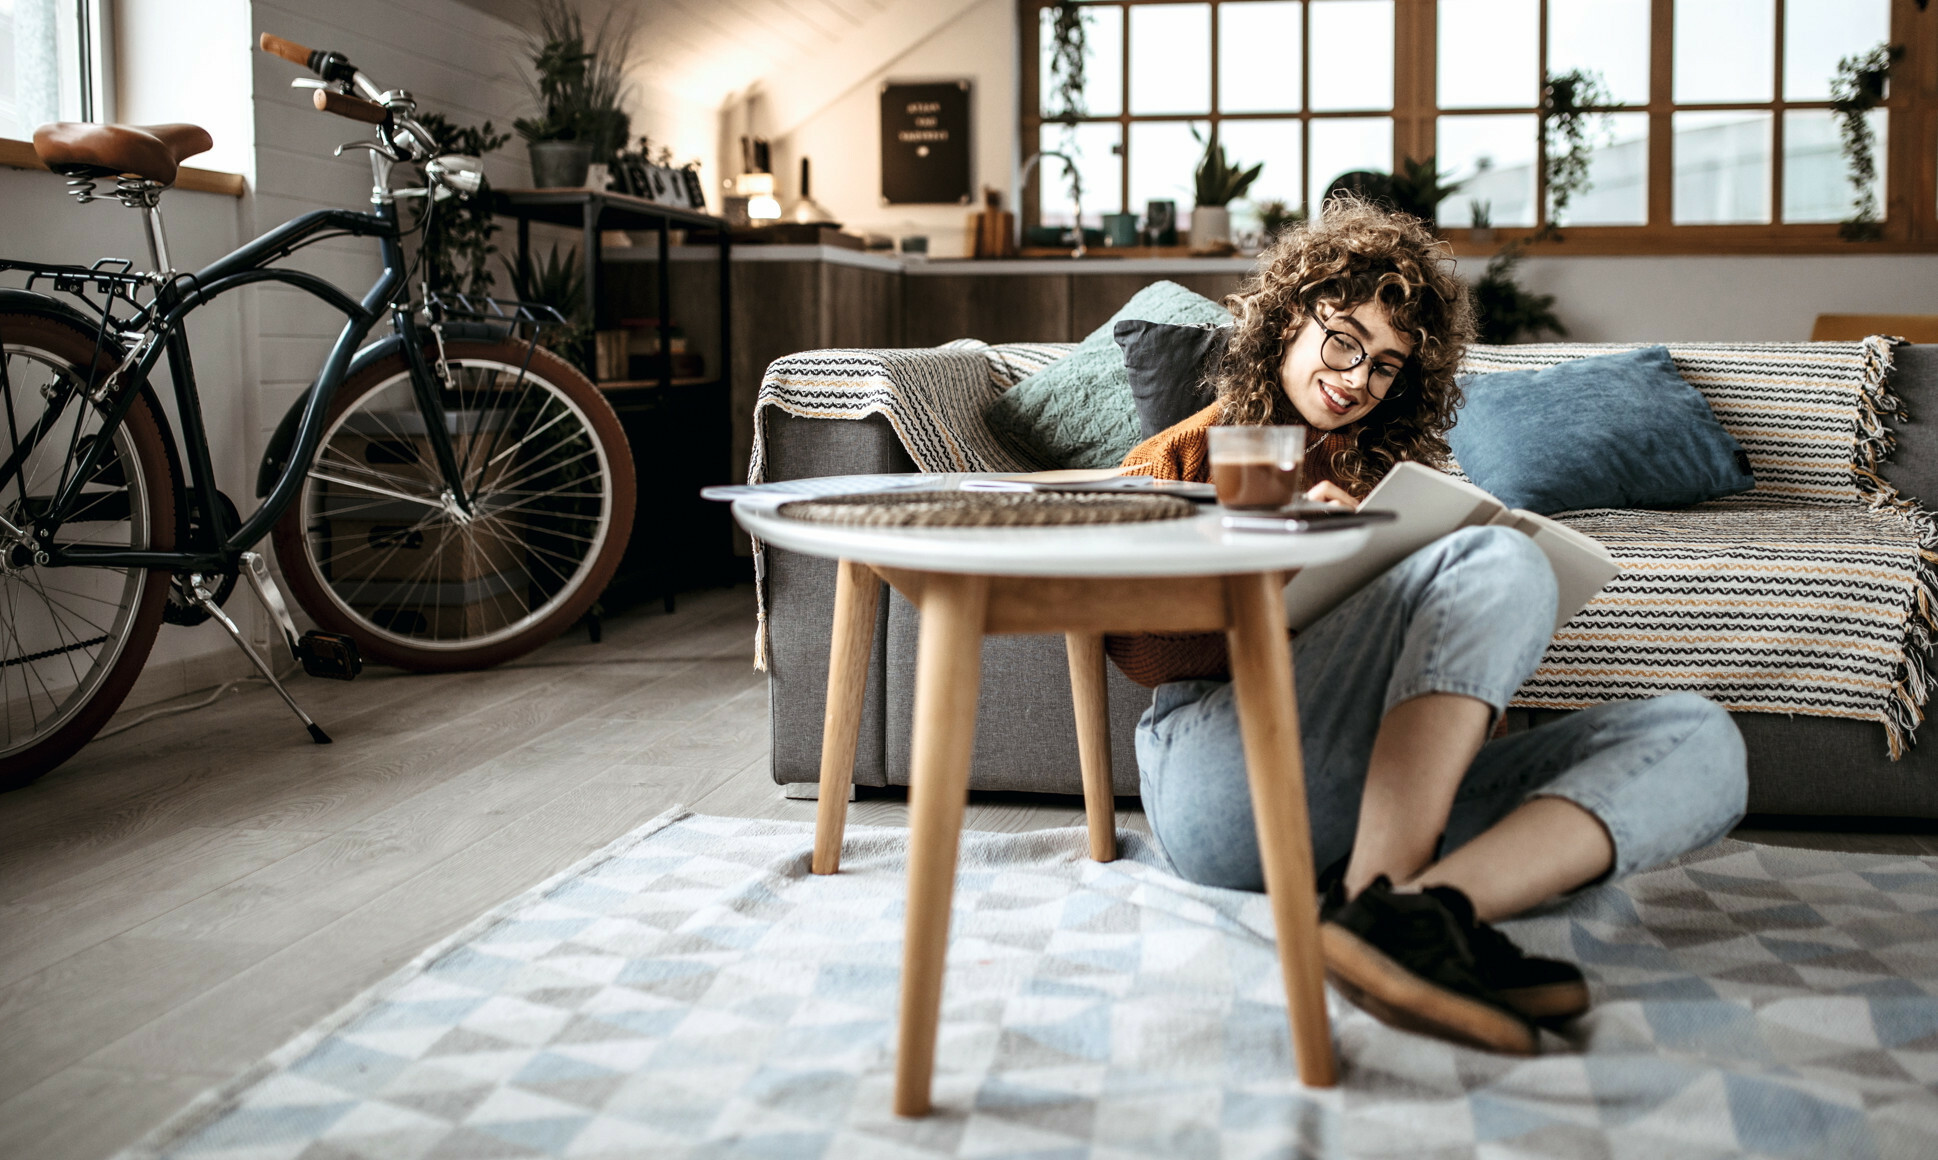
pixel 1342 352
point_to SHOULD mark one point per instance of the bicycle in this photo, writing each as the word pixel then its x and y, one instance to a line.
pixel 448 497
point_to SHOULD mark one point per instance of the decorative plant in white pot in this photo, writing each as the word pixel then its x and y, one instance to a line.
pixel 580 85
pixel 1219 183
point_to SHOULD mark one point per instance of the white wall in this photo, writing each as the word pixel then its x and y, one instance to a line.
pixel 42 223
pixel 1724 299
pixel 833 105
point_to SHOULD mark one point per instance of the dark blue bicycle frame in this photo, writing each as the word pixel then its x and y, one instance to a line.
pixel 172 303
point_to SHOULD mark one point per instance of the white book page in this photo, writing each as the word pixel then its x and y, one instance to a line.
pixel 1429 505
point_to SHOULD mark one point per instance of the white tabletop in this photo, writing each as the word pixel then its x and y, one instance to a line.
pixel 1185 547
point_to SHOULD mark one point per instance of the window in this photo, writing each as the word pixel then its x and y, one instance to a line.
pixel 1713 129
pixel 50 66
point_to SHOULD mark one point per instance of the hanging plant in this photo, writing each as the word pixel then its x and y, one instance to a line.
pixel 1574 120
pixel 1069 46
pixel 1856 89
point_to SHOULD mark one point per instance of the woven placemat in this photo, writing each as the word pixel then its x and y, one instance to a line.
pixel 986 509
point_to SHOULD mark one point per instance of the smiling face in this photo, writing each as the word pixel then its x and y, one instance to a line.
pixel 1328 398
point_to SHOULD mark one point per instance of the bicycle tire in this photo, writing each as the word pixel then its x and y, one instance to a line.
pixel 371 550
pixel 41 647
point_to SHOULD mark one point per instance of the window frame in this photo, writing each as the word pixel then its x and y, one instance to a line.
pixel 1910 196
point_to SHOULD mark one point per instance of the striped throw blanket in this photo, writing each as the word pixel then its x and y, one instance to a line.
pixel 1813 593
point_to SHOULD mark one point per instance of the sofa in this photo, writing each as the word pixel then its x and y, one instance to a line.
pixel 1025 734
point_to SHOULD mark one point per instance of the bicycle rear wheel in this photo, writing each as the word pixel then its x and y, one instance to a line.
pixel 73 640
pixel 376 547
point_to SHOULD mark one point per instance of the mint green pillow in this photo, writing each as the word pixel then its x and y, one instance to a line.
pixel 1078 411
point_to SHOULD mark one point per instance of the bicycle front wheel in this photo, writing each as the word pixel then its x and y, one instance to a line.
pixel 378 545
pixel 73 640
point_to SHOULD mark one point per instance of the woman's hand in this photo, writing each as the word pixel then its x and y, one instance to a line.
pixel 1327 492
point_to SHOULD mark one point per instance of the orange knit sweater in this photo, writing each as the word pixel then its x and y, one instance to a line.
pixel 1184 452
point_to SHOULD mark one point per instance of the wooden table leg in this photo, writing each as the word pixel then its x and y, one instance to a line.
pixel 948 671
pixel 1092 701
pixel 1268 716
pixel 856 593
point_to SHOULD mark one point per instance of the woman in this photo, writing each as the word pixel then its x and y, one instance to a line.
pixel 1354 327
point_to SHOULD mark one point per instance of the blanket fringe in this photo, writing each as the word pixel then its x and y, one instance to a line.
pixel 1877 407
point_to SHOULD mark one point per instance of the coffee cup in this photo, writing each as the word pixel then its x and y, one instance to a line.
pixel 1256 468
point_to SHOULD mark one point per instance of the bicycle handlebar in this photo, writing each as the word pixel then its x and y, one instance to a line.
pixel 289 50
pixel 355 108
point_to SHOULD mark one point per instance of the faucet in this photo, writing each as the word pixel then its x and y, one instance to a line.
pixel 1016 197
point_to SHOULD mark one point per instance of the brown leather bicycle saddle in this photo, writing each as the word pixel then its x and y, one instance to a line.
pixel 156 152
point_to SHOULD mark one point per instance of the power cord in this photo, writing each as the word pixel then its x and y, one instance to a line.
pixel 176 710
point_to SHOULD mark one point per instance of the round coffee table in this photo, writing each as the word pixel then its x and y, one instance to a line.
pixel 1183 575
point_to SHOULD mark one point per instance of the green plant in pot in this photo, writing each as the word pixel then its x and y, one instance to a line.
pixel 1418 188
pixel 454 234
pixel 1504 311
pixel 558 282
pixel 579 83
pixel 1218 183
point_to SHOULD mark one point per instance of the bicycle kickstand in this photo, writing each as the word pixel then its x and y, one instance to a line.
pixel 257 571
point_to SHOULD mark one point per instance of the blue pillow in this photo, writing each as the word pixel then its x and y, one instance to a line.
pixel 1615 430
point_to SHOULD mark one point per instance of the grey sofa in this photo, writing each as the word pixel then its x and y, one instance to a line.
pixel 1025 734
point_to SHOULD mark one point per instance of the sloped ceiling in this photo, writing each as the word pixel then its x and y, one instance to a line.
pixel 703 51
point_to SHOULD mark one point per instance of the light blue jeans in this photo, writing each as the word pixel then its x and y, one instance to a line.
pixel 1470 613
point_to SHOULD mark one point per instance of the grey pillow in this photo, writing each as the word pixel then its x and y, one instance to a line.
pixel 1167 366
pixel 1078 411
pixel 1615 430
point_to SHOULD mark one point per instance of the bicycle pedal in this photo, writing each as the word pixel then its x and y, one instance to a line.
pixel 330 655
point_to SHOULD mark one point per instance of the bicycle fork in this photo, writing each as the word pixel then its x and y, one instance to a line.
pixel 321 654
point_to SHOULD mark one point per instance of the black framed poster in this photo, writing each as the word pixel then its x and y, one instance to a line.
pixel 925 143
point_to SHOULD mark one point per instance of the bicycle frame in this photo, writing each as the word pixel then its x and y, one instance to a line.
pixel 173 301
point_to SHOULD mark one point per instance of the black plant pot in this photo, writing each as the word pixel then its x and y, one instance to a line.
pixel 560 164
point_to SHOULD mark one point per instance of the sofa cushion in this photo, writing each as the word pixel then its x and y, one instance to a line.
pixel 1078 411
pixel 1615 430
pixel 1166 365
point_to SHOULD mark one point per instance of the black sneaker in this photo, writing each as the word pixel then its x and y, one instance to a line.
pixel 1536 987
pixel 1405 960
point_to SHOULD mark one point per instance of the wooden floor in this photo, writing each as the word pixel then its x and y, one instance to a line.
pixel 182 898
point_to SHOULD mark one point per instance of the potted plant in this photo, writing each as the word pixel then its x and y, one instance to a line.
pixel 580 87
pixel 1417 189
pixel 1218 184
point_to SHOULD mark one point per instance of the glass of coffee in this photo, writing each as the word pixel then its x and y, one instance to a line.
pixel 1256 468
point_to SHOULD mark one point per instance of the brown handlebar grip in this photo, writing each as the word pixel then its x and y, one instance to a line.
pixel 355 108
pixel 289 50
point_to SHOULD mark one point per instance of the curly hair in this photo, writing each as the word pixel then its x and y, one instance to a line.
pixel 1353 253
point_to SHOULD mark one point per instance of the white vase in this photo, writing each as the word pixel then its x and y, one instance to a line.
pixel 1210 224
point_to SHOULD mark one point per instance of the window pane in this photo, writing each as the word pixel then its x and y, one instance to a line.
pixel 1816 183
pixel 1098 164
pixel 1618 178
pixel 1493 159
pixel 1343 144
pixel 1819 33
pixel 1352 55
pixel 1170 47
pixel 1490 54
pixel 1722 168
pixel 1103 62
pixel 1724 50
pixel 1258 57
pixel 40 66
pixel 1276 144
pixel 1163 160
pixel 1610 37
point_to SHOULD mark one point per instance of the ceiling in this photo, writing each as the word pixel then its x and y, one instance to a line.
pixel 703 50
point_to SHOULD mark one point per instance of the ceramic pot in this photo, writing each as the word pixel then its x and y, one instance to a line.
pixel 560 164
pixel 1210 224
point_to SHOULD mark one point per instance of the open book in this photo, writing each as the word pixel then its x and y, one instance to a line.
pixel 1430 504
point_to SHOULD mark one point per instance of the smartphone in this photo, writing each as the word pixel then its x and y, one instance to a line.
pixel 1326 520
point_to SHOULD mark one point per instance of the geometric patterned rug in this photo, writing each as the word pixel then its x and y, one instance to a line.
pixel 692 991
